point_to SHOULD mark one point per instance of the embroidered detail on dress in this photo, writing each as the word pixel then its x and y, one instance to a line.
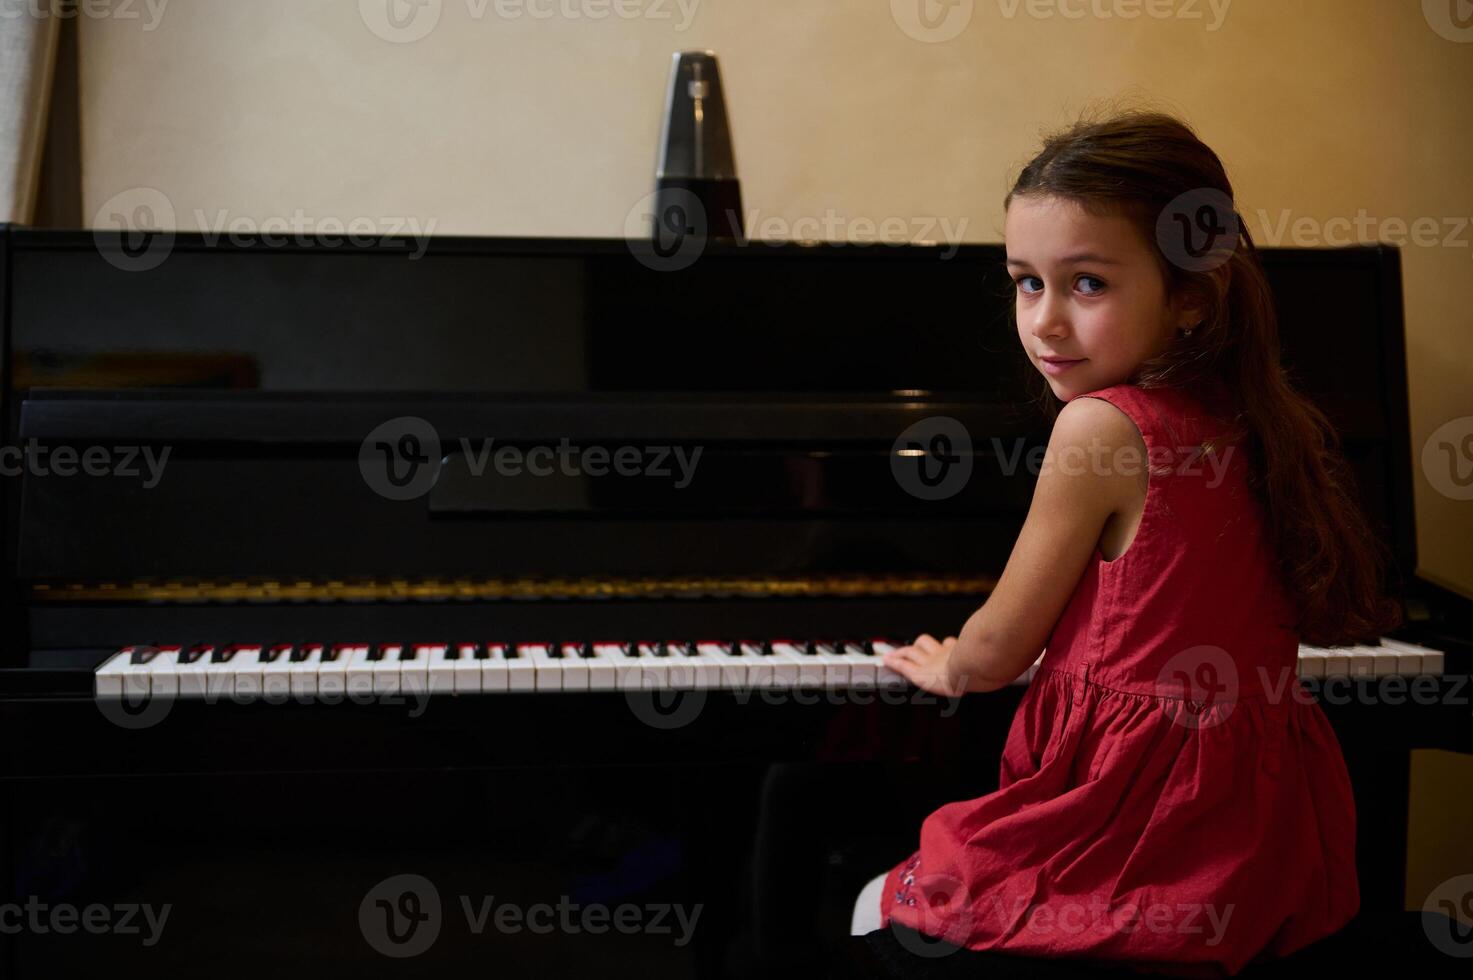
pixel 908 878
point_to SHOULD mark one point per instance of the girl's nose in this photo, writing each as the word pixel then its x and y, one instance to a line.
pixel 1049 319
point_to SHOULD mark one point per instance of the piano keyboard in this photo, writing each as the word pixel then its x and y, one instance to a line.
pixel 281 671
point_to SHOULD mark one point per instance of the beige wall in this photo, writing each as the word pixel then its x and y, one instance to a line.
pixel 518 124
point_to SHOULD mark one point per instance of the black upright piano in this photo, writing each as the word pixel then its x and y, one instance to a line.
pixel 353 592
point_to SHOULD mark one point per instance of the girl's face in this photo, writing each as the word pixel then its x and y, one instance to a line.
pixel 1091 301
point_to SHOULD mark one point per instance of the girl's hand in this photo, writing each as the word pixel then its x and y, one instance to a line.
pixel 926 663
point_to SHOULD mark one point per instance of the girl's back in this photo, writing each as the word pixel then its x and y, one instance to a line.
pixel 1164 798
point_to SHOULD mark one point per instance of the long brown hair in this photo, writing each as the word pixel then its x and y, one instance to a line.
pixel 1139 164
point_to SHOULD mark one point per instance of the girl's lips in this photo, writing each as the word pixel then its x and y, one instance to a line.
pixel 1059 367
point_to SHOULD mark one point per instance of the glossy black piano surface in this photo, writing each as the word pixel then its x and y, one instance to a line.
pixel 278 377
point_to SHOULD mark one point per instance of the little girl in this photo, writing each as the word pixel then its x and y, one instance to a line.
pixel 1169 798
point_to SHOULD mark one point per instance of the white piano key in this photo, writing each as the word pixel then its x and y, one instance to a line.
pixel 733 673
pixel 863 668
pixel 107 682
pixel 521 670
pixel 358 670
pixel 439 669
pixel 1384 660
pixel 706 667
pixel 1429 661
pixel 248 672
pixel 138 677
pixel 603 669
pixel 332 668
pixel 192 674
pixel 388 669
pixel 574 668
pixel 792 666
pixel 498 669
pixel 304 667
pixel 548 668
pixel 414 671
pixel 465 668
pixel 219 672
pixel 1362 661
pixel 1312 662
pixel 658 671
pixel 276 677
pixel 163 672
pixel 885 677
pixel 835 668
pixel 762 668
pixel 1337 661
pixel 630 675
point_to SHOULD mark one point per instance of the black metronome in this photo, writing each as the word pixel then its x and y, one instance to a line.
pixel 697 193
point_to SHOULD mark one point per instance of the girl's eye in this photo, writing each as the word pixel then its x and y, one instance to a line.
pixel 1022 280
pixel 1097 284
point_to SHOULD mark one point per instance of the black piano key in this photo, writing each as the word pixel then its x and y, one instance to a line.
pixel 143 655
pixel 684 648
pixel 272 653
pixel 378 651
pixel 194 653
pixel 332 653
pixel 302 652
pixel 482 651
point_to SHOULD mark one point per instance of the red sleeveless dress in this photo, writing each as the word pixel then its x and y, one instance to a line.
pixel 1169 798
